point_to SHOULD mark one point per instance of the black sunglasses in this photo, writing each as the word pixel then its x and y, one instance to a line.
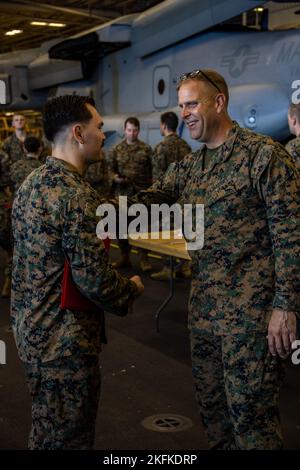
pixel 195 74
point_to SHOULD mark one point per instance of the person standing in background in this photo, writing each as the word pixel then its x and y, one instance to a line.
pixel 13 145
pixel 130 165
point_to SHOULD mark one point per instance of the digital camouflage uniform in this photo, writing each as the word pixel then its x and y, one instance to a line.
pixel 97 176
pixel 134 163
pixel 293 147
pixel 20 169
pixel 53 218
pixel 249 265
pixel 171 149
pixel 13 147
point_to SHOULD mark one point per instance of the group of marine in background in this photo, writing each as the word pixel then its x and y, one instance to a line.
pixel 127 168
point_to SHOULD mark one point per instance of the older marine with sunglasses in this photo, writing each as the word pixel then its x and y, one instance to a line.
pixel 245 291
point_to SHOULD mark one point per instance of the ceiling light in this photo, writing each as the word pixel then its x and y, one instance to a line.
pixel 13 32
pixel 38 23
pixel 259 9
pixel 57 25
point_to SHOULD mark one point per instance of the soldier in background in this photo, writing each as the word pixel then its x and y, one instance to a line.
pixel 245 291
pixel 13 145
pixel 131 168
pixel 54 219
pixel 12 177
pixel 293 146
pixel 22 168
pixel 97 175
pixel 171 149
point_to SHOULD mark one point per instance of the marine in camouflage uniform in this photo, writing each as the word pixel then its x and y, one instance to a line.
pixel 15 174
pixel 130 165
pixel 97 175
pixel 246 279
pixel 54 218
pixel 132 162
pixel 13 145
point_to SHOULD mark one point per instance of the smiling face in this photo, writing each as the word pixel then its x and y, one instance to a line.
pixel 198 109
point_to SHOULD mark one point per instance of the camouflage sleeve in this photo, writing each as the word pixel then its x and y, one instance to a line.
pixel 159 162
pixel 277 181
pixel 165 190
pixel 91 270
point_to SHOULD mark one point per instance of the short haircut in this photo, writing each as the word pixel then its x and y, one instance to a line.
pixel 32 144
pixel 170 120
pixel 294 111
pixel 60 112
pixel 132 120
pixel 216 80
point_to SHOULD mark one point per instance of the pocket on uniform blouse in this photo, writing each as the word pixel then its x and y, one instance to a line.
pixel 222 191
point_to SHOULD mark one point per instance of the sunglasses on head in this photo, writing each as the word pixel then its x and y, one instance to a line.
pixel 195 74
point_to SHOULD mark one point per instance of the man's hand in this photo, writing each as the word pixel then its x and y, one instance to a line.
pixel 281 332
pixel 119 179
pixel 7 191
pixel 140 289
pixel 138 282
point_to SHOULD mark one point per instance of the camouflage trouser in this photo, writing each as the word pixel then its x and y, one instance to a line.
pixel 237 386
pixel 65 395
